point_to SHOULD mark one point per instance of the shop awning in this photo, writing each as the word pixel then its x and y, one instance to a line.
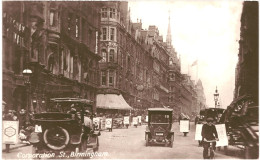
pixel 112 101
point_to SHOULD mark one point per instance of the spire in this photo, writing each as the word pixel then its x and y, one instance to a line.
pixel 169 35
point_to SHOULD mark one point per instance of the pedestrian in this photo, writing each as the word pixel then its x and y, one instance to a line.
pixel 208 133
pixel 88 124
pixel 22 118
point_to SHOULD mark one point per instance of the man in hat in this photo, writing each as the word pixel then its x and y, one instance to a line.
pixel 208 133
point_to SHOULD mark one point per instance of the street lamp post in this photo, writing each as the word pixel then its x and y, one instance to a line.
pixel 216 95
pixel 27 74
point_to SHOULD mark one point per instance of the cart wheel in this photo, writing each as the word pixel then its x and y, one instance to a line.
pixel 147 140
pixel 226 150
pixel 172 139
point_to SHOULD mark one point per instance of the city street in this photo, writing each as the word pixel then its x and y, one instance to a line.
pixel 130 144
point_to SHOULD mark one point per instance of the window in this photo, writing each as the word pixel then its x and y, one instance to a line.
pixel 69 21
pixel 111 78
pixel 77 27
pixel 103 78
pixel 171 62
pixel 112 34
pixel 104 55
pixel 172 77
pixel 104 13
pixel 51 63
pixel 111 55
pixel 112 13
pixel 51 18
pixel 104 33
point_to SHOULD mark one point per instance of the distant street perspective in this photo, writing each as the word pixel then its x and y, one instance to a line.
pixel 130 79
pixel 130 143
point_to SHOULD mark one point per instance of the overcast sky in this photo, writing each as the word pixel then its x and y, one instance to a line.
pixel 204 30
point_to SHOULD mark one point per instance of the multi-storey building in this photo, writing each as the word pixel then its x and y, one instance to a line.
pixel 201 96
pixel 188 96
pixel 59 42
pixel 135 61
pixel 175 76
pixel 247 80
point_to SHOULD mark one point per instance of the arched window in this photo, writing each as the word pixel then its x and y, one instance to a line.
pixel 104 55
pixel 111 55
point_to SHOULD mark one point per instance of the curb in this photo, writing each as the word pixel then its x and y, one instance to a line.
pixel 16 146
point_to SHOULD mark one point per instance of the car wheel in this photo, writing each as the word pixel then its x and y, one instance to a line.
pixel 172 139
pixel 56 138
pixel 147 140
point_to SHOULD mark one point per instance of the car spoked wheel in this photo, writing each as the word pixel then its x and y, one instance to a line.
pixel 56 138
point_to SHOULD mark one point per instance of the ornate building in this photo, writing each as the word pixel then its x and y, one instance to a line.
pixel 135 61
pixel 59 42
pixel 201 96
pixel 175 76
pixel 247 80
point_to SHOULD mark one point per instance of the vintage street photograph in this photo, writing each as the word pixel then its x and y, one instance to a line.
pixel 172 79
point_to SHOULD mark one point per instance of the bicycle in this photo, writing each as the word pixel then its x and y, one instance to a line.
pixel 211 150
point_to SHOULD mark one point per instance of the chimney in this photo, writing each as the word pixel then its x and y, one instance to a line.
pixel 137 20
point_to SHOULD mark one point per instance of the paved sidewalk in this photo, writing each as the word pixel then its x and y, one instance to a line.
pixel 14 146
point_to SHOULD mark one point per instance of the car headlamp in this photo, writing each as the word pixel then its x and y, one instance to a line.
pixel 238 108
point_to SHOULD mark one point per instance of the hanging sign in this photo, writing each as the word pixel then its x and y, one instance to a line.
pixel 109 123
pixel 184 125
pixel 126 120
pixel 139 119
pixel 222 135
pixel 135 120
pixel 10 132
pixel 146 118
pixel 198 136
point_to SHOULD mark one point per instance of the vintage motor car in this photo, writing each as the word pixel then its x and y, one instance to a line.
pixel 159 129
pixel 61 128
pixel 215 113
pixel 242 125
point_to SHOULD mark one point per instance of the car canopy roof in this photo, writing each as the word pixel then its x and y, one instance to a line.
pixel 160 109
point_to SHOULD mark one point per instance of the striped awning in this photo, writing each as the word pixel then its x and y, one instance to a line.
pixel 112 101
